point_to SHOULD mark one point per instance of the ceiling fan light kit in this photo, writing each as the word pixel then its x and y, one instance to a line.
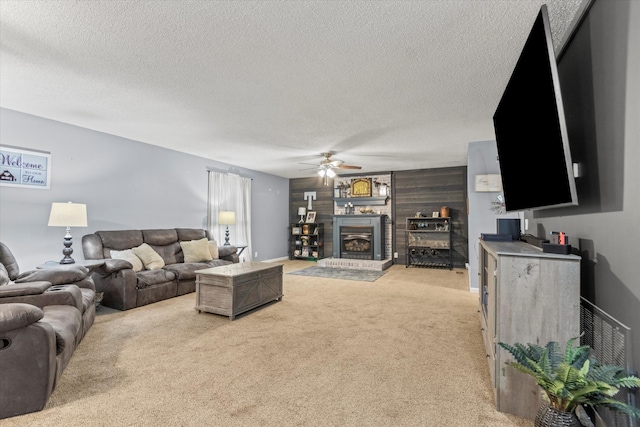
pixel 328 166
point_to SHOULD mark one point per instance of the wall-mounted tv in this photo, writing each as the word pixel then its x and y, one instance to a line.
pixel 531 132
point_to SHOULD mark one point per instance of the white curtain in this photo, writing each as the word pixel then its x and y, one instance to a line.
pixel 229 192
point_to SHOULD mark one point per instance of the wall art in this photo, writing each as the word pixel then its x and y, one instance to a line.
pixel 24 168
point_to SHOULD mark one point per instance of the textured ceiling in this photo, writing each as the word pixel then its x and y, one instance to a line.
pixel 268 85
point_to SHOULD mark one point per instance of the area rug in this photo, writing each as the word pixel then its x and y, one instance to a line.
pixel 340 273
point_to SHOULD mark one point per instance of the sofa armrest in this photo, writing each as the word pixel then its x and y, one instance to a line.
pixel 18 315
pixel 111 266
pixel 56 276
pixel 27 360
pixel 118 288
pixel 53 295
pixel 19 289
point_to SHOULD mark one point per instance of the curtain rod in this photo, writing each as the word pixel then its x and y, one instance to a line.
pixel 227 172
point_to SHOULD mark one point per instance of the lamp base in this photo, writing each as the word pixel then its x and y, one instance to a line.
pixel 226 237
pixel 67 251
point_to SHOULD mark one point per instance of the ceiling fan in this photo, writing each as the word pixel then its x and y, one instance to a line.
pixel 328 166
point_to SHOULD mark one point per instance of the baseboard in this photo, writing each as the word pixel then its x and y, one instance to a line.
pixel 284 258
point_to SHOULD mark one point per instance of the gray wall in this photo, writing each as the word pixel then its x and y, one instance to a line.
pixel 481 160
pixel 600 78
pixel 126 185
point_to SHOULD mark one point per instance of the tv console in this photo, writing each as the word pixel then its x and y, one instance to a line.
pixel 533 240
pixel 526 296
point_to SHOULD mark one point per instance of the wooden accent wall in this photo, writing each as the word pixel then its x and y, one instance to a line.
pixel 426 190
pixel 323 205
pixel 421 190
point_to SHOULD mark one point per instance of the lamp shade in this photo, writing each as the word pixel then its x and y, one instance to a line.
pixel 302 211
pixel 68 215
pixel 226 218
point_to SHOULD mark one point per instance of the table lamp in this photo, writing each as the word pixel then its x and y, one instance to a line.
pixel 226 218
pixel 68 215
pixel 302 212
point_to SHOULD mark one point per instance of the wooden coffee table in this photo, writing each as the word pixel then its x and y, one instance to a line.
pixel 233 289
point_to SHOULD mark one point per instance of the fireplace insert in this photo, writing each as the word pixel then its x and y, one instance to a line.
pixel 356 242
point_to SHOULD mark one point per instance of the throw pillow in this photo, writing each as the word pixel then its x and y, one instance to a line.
pixel 149 257
pixel 213 249
pixel 129 256
pixel 196 250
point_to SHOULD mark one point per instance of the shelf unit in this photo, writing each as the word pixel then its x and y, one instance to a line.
pixel 526 296
pixel 428 242
pixel 306 241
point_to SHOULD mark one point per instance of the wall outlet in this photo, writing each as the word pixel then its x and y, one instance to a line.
pixel 255 255
pixel 526 224
pixel 395 254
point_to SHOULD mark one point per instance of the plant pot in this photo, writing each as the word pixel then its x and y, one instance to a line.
pixel 551 417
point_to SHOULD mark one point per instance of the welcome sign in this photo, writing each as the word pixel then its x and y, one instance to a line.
pixel 24 168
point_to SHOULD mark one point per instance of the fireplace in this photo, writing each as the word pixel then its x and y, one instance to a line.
pixel 356 242
pixel 359 236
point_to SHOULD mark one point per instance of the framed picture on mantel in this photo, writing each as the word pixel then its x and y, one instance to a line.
pixel 361 187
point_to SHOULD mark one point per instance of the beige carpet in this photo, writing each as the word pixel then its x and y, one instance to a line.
pixel 404 350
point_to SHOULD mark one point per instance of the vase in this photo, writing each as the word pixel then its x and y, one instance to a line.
pixel 551 417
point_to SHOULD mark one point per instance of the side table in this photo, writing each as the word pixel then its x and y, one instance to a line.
pixel 88 264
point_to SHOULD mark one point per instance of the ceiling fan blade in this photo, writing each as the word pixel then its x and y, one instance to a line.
pixel 349 167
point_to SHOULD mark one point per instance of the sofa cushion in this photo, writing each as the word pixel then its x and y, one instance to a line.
pixel 196 250
pixel 148 278
pixel 129 256
pixel 185 234
pixel 213 249
pixel 170 253
pixel 120 240
pixel 227 250
pixel 150 258
pixel 160 237
pixel 187 270
pixel 66 322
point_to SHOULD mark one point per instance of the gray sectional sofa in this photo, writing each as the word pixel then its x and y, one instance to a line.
pixel 169 259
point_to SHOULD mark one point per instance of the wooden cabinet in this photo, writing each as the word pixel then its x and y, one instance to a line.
pixel 306 241
pixel 526 296
pixel 429 242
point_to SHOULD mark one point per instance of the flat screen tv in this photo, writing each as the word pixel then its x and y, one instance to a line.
pixel 531 132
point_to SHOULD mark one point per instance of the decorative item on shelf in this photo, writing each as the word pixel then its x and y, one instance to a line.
pixel 305 240
pixel 444 212
pixel 435 214
pixel 383 191
pixel 226 218
pixel 497 205
pixel 305 252
pixel 361 187
pixel 571 379
pixel 68 215
pixel 418 214
pixel 365 210
pixel 305 229
pixel 295 230
pixel 302 211
pixel 311 217
pixel 296 252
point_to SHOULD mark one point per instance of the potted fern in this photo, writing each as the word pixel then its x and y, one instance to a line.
pixel 570 380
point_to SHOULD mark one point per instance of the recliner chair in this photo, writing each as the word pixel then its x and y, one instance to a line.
pixel 44 314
